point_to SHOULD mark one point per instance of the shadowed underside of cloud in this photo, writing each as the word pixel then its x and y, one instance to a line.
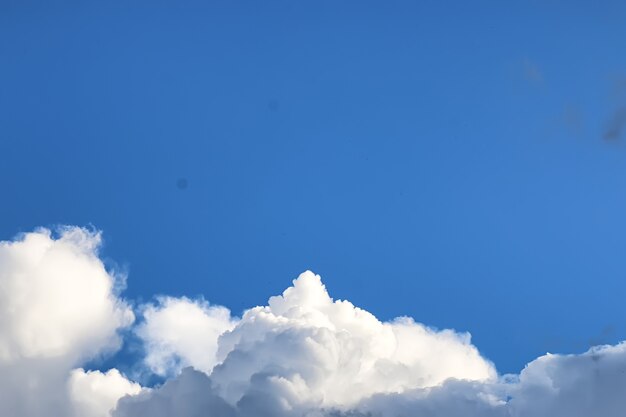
pixel 303 354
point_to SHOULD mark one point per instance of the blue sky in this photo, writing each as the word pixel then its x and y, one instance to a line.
pixel 461 164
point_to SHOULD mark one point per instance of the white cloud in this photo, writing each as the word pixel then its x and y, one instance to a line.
pixel 56 297
pixel 305 352
pixel 591 384
pixel 58 308
pixel 331 353
pixel 179 332
pixel 305 355
pixel 585 385
pixel 95 394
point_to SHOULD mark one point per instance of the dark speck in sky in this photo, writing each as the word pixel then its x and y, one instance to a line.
pixel 616 125
pixel 182 183
pixel 273 105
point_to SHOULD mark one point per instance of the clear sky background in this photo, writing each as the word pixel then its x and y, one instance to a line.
pixel 463 163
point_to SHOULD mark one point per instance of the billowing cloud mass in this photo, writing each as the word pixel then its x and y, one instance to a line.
pixel 301 355
pixel 58 309
pixel 179 332
pixel 56 298
pixel 329 353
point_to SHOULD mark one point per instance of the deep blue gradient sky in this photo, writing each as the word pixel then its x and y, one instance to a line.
pixel 443 160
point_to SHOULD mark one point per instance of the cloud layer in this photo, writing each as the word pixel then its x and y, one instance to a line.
pixel 302 354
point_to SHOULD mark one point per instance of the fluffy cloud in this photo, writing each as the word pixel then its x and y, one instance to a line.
pixel 306 355
pixel 331 353
pixel 179 332
pixel 590 384
pixel 95 394
pixel 58 308
pixel 302 355
pixel 56 297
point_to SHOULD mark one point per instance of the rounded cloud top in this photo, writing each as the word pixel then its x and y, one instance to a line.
pixel 56 297
pixel 332 353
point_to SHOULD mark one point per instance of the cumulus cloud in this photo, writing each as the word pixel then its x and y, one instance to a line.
pixel 307 355
pixel 95 394
pixel 590 384
pixel 331 353
pixel 303 354
pixel 58 308
pixel 179 332
pixel 56 297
